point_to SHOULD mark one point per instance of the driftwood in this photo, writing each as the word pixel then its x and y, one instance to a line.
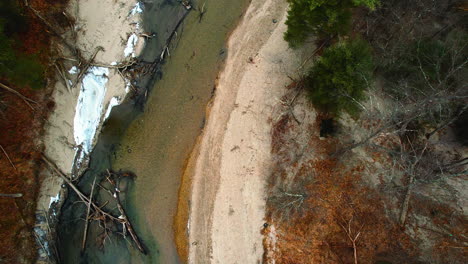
pixel 86 66
pixel 62 74
pixel 97 212
pixel 24 98
pixel 186 4
pixel 114 180
pixel 201 12
pixel 147 35
pixel 85 232
pixel 169 39
pixel 11 195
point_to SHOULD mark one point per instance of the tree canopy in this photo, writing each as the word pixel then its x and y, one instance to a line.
pixel 338 80
pixel 320 17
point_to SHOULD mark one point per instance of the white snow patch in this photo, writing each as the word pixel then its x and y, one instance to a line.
pixel 54 199
pixel 89 106
pixel 73 70
pixel 113 63
pixel 131 43
pixel 127 85
pixel 137 9
pixel 113 102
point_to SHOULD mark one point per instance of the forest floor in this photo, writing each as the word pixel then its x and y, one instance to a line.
pixel 326 207
pixel 22 127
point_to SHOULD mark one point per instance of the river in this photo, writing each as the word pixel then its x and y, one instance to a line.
pixel 155 143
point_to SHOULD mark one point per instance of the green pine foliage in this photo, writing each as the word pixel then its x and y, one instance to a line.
pixel 371 4
pixel 318 17
pixel 322 18
pixel 21 69
pixel 338 80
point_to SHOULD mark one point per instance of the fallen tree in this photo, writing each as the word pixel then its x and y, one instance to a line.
pixel 109 222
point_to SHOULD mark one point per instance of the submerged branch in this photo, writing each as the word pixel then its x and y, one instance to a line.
pixel 99 213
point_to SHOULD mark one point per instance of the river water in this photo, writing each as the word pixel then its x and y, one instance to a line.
pixel 155 143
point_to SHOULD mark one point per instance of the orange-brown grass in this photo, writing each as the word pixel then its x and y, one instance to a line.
pixel 446 228
pixel 337 203
pixel 21 129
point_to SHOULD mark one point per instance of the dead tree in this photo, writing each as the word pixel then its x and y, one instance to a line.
pixel 409 166
pixel 352 235
pixel 113 179
pixel 97 212
pixel 289 198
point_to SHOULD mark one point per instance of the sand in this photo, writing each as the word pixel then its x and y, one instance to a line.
pixel 105 23
pixel 231 161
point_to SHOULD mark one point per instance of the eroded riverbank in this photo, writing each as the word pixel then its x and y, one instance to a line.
pixel 230 165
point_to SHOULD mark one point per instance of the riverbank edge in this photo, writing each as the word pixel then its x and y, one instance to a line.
pixel 260 22
pixel 181 218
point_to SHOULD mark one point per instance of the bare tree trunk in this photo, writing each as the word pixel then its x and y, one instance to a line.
pixel 11 195
pixel 404 209
pixel 85 232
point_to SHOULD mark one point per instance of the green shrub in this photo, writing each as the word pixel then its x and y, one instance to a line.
pixel 338 80
pixel 320 17
pixel 428 66
pixel 21 69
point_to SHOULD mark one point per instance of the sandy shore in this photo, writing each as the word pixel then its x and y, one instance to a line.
pixel 228 167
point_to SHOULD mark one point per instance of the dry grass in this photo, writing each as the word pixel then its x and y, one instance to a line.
pixel 336 198
pixel 20 131
pixel 339 205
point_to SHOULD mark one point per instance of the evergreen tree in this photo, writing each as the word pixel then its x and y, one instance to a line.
pixel 320 17
pixel 338 80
